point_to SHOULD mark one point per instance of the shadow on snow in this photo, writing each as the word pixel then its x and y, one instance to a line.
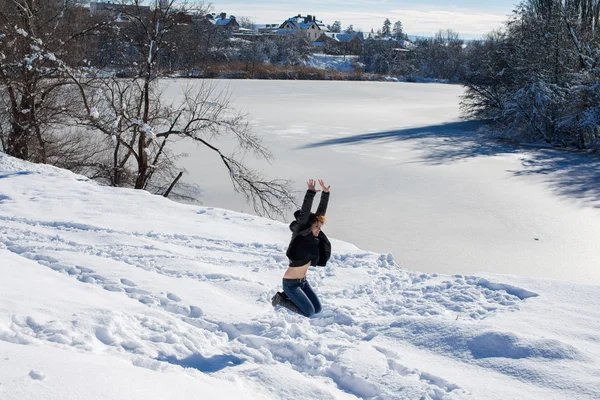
pixel 8 175
pixel 569 173
pixel 204 364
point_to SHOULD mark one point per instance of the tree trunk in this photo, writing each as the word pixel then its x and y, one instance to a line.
pixel 140 182
pixel 173 185
pixel 16 145
pixel 142 161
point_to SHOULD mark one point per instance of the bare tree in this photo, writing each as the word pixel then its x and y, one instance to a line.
pixel 139 125
pixel 246 23
pixel 37 39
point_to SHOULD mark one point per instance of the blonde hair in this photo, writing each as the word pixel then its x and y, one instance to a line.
pixel 321 219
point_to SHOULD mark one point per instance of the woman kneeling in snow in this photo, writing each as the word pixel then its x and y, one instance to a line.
pixel 309 246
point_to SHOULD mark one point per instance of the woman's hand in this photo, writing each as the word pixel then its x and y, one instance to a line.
pixel 311 185
pixel 325 188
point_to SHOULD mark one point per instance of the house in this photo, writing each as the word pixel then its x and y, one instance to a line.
pixel 182 18
pixel 204 20
pixel 223 21
pixel 307 25
pixel 220 21
pixel 348 43
pixel 268 29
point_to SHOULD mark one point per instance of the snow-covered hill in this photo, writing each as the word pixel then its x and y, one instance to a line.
pixel 117 294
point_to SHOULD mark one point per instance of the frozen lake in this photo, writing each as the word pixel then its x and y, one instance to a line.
pixel 408 177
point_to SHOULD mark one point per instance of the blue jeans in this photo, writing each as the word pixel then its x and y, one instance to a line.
pixel 302 295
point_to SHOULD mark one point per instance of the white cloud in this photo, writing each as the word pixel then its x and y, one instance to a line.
pixel 434 20
pixel 430 21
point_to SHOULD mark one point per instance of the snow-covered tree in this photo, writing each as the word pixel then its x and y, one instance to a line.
pixel 539 78
pixel 279 50
pixel 246 23
pixel 439 57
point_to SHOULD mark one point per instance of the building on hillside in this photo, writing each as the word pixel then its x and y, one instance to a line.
pixel 123 11
pixel 307 25
pixel 346 43
pixel 229 22
pixel 182 18
pixel 221 21
pixel 269 29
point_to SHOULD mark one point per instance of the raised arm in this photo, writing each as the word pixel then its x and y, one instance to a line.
pixel 322 209
pixel 307 203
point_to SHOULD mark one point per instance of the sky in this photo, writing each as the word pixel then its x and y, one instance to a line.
pixel 471 18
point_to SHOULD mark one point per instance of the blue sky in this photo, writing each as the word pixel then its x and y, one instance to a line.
pixel 471 18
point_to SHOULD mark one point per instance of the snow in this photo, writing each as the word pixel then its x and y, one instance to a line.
pixel 147 129
pixel 94 113
pixel 413 179
pixel 151 49
pixel 114 293
pixel 336 63
pixel 222 21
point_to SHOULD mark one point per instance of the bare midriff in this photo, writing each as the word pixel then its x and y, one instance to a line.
pixel 296 272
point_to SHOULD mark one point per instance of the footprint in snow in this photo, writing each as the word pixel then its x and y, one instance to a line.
pixel 127 282
pixel 36 375
pixel 173 297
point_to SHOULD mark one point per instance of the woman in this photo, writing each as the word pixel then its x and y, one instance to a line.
pixel 309 246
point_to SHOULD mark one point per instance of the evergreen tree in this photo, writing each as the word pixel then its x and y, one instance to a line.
pixel 336 27
pixel 387 28
pixel 398 31
pixel 350 29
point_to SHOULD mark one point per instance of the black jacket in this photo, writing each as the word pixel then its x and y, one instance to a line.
pixel 302 234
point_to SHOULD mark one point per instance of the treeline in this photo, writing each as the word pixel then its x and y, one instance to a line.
pixel 535 80
pixel 538 79
pixel 442 57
